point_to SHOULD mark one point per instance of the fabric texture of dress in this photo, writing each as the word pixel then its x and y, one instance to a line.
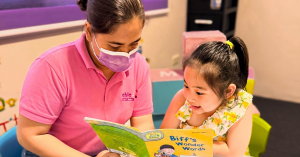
pixel 224 117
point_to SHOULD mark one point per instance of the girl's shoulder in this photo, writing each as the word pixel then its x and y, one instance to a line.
pixel 178 100
pixel 224 117
pixel 227 115
pixel 239 102
pixel 184 112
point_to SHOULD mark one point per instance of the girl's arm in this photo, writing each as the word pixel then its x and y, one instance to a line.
pixel 34 137
pixel 170 121
pixel 238 138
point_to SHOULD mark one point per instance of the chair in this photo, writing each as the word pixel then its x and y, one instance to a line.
pixel 259 137
pixel 250 81
pixel 250 86
pixel 9 145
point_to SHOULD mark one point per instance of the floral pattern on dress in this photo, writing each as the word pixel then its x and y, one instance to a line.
pixel 224 117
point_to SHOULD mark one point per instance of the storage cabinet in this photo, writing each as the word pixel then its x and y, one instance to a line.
pixel 201 16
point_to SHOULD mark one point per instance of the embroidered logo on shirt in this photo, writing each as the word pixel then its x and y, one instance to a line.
pixel 127 96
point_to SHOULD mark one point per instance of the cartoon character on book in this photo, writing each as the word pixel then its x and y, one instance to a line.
pixel 166 151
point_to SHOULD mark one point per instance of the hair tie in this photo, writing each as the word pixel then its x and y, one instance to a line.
pixel 229 43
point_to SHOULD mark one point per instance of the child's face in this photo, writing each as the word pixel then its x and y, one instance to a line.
pixel 200 96
pixel 168 151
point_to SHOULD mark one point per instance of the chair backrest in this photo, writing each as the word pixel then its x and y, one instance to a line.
pixel 250 81
pixel 9 145
pixel 259 137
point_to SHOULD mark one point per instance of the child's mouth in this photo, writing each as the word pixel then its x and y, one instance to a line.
pixel 195 107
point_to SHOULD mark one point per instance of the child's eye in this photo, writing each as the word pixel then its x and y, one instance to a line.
pixel 199 93
pixel 185 86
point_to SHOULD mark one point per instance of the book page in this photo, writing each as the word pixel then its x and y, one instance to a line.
pixel 179 142
pixel 118 138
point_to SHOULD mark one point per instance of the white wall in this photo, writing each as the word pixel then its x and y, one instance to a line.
pixel 271 30
pixel 163 36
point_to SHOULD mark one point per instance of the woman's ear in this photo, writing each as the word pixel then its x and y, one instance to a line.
pixel 88 31
pixel 230 90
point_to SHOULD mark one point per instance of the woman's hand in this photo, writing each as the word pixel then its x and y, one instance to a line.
pixel 106 153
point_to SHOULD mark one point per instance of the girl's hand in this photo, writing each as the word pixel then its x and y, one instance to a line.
pixel 106 153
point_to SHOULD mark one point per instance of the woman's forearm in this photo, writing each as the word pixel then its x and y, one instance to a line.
pixel 48 145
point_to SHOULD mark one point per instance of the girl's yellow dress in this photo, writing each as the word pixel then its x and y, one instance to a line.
pixel 222 119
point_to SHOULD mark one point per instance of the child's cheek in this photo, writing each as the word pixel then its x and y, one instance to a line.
pixel 185 93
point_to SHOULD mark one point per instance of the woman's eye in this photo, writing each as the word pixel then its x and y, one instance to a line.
pixel 134 44
pixel 115 48
pixel 199 93
pixel 185 86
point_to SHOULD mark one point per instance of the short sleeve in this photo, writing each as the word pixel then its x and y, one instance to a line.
pixel 143 104
pixel 43 95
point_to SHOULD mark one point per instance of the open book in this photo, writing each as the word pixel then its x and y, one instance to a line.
pixel 130 142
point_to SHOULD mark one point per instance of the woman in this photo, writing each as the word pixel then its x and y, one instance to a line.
pixel 99 76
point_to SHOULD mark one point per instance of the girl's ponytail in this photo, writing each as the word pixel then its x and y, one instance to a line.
pixel 242 53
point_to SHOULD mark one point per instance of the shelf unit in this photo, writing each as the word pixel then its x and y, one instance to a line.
pixel 200 16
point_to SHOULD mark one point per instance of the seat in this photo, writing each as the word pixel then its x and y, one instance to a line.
pixel 9 145
pixel 259 137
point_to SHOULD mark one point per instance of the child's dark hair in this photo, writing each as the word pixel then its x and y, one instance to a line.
pixel 221 65
pixel 105 15
pixel 166 146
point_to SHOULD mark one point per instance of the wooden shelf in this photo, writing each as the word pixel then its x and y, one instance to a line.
pixel 223 20
pixel 231 10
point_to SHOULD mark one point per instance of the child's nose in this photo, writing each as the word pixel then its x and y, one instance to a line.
pixel 189 99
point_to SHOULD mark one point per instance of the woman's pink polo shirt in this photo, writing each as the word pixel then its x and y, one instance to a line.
pixel 63 86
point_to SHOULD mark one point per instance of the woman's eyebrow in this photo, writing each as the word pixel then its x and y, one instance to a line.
pixel 137 40
pixel 117 43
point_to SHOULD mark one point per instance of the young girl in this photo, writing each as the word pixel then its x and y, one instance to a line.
pixel 213 96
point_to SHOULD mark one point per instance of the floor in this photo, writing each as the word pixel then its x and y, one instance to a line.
pixel 284 117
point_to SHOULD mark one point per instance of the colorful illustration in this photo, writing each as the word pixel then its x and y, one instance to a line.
pixel 166 151
pixel 3 124
pixel 129 142
pixel 11 102
pixel 2 104
pixel 8 112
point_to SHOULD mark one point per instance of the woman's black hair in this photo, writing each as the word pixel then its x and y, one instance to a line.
pixel 105 15
pixel 221 65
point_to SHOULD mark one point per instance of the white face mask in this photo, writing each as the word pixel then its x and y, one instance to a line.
pixel 115 61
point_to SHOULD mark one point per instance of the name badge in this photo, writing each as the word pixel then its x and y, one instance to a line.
pixel 127 96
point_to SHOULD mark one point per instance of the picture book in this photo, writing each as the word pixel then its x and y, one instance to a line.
pixel 130 142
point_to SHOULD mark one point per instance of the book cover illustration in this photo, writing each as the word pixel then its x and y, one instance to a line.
pixel 130 142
